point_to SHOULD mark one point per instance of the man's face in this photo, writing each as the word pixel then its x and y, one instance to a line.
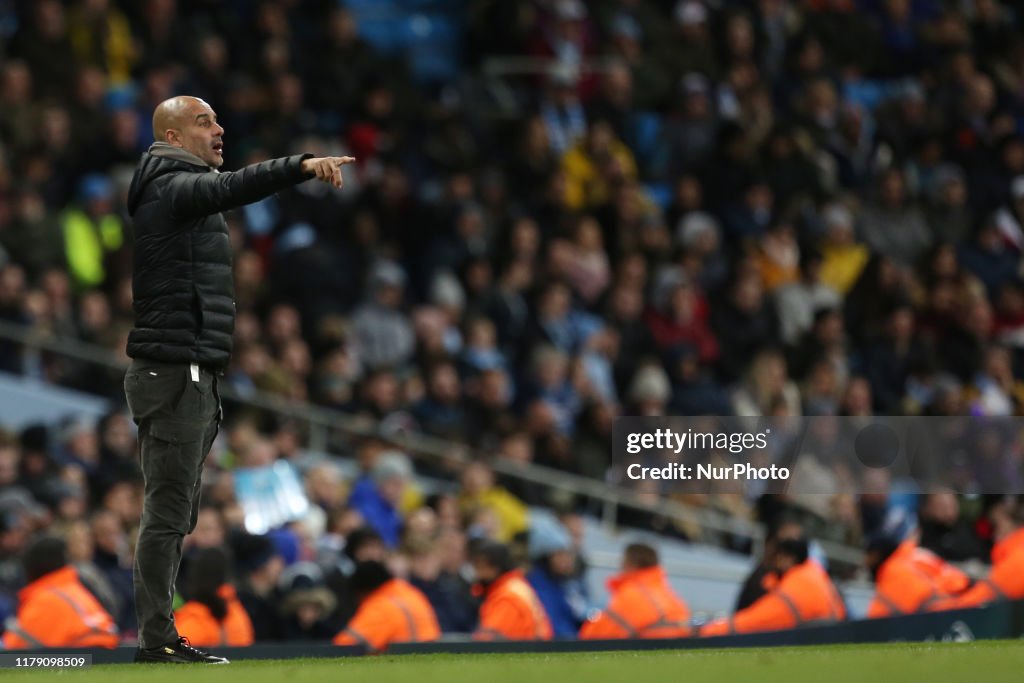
pixel 371 551
pixel 391 490
pixel 563 563
pixel 942 508
pixel 484 572
pixel 200 134
pixel 789 531
pixel 783 563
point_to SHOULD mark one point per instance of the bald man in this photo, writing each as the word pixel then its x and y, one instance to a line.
pixel 184 318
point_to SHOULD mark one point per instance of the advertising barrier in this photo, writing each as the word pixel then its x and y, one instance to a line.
pixel 998 621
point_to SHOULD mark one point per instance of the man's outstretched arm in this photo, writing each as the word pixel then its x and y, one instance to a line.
pixel 194 195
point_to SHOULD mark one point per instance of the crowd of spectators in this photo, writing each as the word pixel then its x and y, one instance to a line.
pixel 753 208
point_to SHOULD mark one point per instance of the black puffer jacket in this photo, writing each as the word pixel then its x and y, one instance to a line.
pixel 183 286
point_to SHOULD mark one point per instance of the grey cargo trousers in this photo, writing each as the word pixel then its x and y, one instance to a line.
pixel 178 411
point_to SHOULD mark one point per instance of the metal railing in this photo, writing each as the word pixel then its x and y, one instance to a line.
pixel 504 78
pixel 514 65
pixel 323 422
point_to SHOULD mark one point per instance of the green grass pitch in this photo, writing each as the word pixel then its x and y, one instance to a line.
pixel 991 661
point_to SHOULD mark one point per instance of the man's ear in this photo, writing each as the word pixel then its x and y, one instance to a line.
pixel 172 137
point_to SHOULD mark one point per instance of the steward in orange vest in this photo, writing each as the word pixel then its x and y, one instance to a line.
pixel 763 577
pixel 805 595
pixel 390 611
pixel 226 624
pixel 55 609
pixel 908 578
pixel 1005 581
pixel 643 604
pixel 213 615
pixel 511 609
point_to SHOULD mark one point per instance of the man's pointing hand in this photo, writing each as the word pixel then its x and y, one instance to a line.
pixel 327 169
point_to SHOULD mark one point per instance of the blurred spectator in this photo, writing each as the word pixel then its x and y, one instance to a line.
pixel 692 48
pixel 797 302
pixel 112 557
pixel 1004 581
pixel 907 578
pixel 893 225
pixel 680 316
pixel 434 566
pixel 767 388
pixel 92 233
pixel 988 258
pixel 745 323
pixel 943 531
pixel 383 333
pixel 700 237
pixel 390 611
pixel 948 212
pixel 565 33
pixel 78 538
pixel 554 578
pixel 511 609
pixel 79 445
pixel 45 44
pixel 259 569
pixel 54 608
pixel 479 491
pixel 889 359
pixel 18 119
pixel 692 128
pixel 378 496
pixel 804 591
pixel 764 578
pixel 642 603
pixel 213 614
pixel 34 237
pixel 441 412
pixel 843 259
pixel 593 165
pixel 101 35
pixel 307 605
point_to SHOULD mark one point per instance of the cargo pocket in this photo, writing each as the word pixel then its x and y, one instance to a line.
pixel 149 393
pixel 173 451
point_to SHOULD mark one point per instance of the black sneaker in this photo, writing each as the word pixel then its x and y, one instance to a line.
pixel 179 652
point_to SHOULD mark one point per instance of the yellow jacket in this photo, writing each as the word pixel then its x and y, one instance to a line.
pixel 841 266
pixel 86 244
pixel 114 49
pixel 511 512
pixel 585 184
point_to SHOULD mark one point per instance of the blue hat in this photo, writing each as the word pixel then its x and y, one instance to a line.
pixel 95 186
pixel 548 536
pixel 626 26
pixel 252 552
pixel 286 544
pixel 118 98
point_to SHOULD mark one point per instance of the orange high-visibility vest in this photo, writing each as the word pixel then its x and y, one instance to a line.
pixel 1005 581
pixel 949 579
pixel 512 611
pixel 913 578
pixel 397 612
pixel 195 621
pixel 56 610
pixel 642 605
pixel 805 595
